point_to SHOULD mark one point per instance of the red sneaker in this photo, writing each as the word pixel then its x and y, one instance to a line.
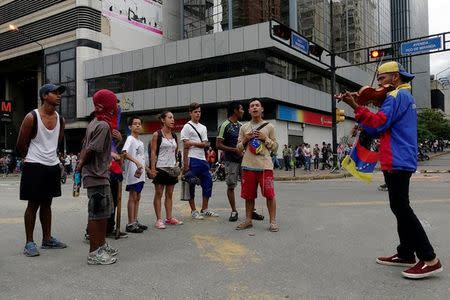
pixel 421 270
pixel 395 260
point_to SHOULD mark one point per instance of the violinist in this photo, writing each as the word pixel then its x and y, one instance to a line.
pixel 396 125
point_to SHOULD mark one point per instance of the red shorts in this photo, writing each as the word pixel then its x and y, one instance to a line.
pixel 250 181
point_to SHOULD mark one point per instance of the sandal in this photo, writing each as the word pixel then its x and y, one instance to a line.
pixel 244 226
pixel 273 227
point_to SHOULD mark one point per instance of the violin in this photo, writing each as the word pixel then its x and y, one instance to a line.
pixel 368 94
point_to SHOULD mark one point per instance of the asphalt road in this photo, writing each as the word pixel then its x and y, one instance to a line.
pixel 330 234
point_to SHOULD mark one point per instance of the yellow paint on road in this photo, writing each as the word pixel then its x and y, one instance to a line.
pixel 18 220
pixel 231 254
pixel 374 203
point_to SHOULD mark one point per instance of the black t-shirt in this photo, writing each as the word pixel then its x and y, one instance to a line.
pixel 229 132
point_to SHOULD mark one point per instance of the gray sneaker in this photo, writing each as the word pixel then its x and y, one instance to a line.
pixel 110 250
pixel 196 215
pixel 209 213
pixel 100 257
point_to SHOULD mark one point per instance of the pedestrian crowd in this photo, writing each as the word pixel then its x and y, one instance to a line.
pixel 106 159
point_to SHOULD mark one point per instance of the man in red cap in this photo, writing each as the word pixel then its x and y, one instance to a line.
pixel 94 162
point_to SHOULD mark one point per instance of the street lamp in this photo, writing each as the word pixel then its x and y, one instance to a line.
pixel 15 28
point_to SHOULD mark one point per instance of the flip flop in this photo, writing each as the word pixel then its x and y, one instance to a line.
pixel 244 226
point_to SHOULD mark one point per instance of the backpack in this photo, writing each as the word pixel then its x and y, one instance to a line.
pixel 158 145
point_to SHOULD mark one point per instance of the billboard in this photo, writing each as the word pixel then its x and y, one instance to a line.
pixel 144 14
pixel 286 113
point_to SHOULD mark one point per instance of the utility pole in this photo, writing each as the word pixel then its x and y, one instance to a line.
pixel 333 89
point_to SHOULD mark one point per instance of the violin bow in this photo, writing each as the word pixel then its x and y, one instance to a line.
pixel 375 73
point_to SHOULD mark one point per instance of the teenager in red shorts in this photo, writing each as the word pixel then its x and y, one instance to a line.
pixel 257 140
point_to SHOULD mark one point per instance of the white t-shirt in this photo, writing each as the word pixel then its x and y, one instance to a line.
pixel 188 133
pixel 135 148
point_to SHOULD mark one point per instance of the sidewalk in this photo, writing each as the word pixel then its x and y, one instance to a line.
pixel 300 174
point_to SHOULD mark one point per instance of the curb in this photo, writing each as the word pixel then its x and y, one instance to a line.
pixel 315 177
pixel 434 171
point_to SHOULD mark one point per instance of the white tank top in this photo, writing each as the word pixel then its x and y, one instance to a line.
pixel 166 157
pixel 44 146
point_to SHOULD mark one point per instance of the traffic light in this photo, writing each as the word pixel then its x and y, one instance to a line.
pixel 378 53
pixel 315 50
pixel 340 115
pixel 281 31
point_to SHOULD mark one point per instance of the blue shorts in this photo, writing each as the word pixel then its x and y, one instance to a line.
pixel 137 187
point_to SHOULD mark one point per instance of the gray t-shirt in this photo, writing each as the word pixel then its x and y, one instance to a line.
pixel 98 139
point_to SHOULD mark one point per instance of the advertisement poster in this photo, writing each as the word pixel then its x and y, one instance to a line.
pixel 145 14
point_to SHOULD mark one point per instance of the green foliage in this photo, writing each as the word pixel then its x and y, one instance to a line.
pixel 432 124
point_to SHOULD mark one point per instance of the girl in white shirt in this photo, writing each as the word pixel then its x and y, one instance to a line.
pixel 163 160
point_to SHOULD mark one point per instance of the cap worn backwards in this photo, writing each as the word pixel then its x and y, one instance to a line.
pixel 394 67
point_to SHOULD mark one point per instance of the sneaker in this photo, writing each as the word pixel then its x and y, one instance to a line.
pixel 110 250
pixel 209 213
pixel 142 226
pixel 233 216
pixel 256 216
pixel 30 249
pixel 86 237
pixel 159 224
pixel 100 257
pixel 421 270
pixel 133 228
pixel 112 234
pixel 173 221
pixel 395 260
pixel 53 244
pixel 196 215
pixel 383 188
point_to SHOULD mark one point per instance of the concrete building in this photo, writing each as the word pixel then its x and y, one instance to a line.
pixel 55 37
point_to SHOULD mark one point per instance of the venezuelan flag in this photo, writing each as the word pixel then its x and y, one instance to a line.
pixel 361 162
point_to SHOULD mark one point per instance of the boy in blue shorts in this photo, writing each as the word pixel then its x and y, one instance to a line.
pixel 133 151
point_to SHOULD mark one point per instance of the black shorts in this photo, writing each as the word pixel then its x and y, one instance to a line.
pixel 40 182
pixel 164 178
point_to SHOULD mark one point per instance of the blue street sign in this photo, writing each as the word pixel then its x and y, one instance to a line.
pixel 299 43
pixel 414 47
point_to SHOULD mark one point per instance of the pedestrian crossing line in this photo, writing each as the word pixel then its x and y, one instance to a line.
pixel 375 203
pixel 18 220
pixel 229 253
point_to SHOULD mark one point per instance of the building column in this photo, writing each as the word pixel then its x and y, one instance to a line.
pixel 293 15
pixel 230 14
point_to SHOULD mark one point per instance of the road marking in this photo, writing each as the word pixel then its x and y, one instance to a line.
pixel 18 220
pixel 231 254
pixel 369 203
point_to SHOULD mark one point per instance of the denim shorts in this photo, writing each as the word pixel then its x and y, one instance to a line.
pixel 101 204
pixel 136 187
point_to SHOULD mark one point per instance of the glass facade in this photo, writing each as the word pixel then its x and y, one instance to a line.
pixel 60 69
pixel 357 23
pixel 209 16
pixel 239 64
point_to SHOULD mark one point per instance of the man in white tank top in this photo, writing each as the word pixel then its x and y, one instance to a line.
pixel 40 133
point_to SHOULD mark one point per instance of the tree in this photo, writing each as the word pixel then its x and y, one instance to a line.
pixel 432 124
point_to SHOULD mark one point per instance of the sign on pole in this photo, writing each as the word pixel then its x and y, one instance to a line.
pixel 299 43
pixel 420 46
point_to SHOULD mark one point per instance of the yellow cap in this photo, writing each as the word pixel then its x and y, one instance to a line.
pixel 393 67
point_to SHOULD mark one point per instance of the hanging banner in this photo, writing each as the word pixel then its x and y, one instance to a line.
pixel 144 14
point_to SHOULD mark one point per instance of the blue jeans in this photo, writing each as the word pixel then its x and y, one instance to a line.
pixel 308 163
pixel 200 168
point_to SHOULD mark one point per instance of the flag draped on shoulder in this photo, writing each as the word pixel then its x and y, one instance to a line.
pixel 363 158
